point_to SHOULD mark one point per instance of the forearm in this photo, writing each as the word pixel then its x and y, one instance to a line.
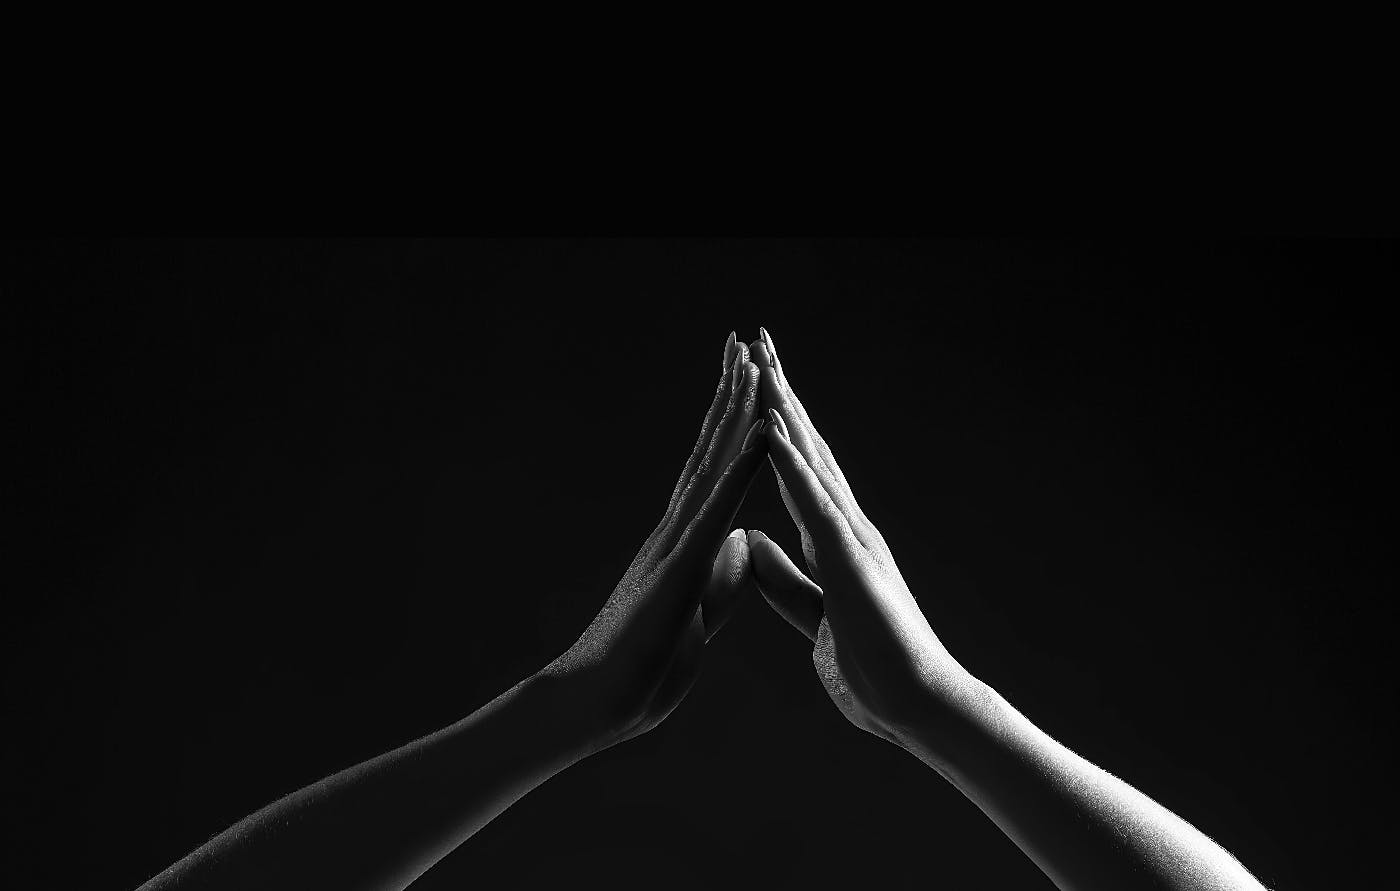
pixel 382 823
pixel 1085 828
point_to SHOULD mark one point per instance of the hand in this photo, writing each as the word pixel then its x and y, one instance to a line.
pixel 641 653
pixel 873 649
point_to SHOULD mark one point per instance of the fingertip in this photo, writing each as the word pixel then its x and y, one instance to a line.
pixel 768 377
pixel 749 438
pixel 736 368
pixel 775 422
pixel 753 376
pixel 771 348
pixel 763 551
pixel 759 351
pixel 760 553
pixel 755 540
pixel 736 546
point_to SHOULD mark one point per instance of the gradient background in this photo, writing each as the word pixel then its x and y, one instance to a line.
pixel 286 505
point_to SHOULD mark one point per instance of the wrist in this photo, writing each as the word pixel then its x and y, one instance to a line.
pixel 952 720
pixel 575 717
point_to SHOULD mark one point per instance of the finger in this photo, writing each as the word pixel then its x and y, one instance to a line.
pixel 684 497
pixel 728 439
pixel 679 578
pixel 696 547
pixel 728 578
pixel 808 438
pixel 777 398
pixel 808 551
pixel 848 501
pixel 791 594
pixel 730 434
pixel 768 399
pixel 707 427
pixel 816 512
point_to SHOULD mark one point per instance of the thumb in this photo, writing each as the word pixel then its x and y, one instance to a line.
pixel 794 596
pixel 728 577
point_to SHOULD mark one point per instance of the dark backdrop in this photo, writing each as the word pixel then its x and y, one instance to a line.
pixel 288 504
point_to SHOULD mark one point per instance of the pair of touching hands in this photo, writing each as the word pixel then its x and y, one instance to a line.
pixel 873 650
pixel 382 823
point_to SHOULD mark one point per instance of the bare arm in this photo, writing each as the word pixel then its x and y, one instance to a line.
pixel 886 670
pixel 381 824
pixel 1083 826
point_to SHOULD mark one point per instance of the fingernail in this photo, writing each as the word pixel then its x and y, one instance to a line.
pixel 776 420
pixel 754 429
pixel 768 341
pixel 739 533
pixel 729 349
pixel 773 361
pixel 738 370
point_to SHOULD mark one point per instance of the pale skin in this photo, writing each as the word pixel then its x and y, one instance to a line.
pixel 889 674
pixel 383 823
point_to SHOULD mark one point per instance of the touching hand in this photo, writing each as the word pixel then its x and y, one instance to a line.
pixel 873 649
pixel 641 653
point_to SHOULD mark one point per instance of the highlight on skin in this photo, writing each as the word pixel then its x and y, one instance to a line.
pixel 888 673
pixel 382 823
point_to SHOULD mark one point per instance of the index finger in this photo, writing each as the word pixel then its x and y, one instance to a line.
pixel 816 511
pixel 770 350
pixel 803 436
pixel 712 416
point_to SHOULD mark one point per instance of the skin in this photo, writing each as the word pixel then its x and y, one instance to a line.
pixel 383 823
pixel 889 674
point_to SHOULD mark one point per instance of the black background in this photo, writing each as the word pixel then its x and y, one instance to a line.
pixel 285 505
